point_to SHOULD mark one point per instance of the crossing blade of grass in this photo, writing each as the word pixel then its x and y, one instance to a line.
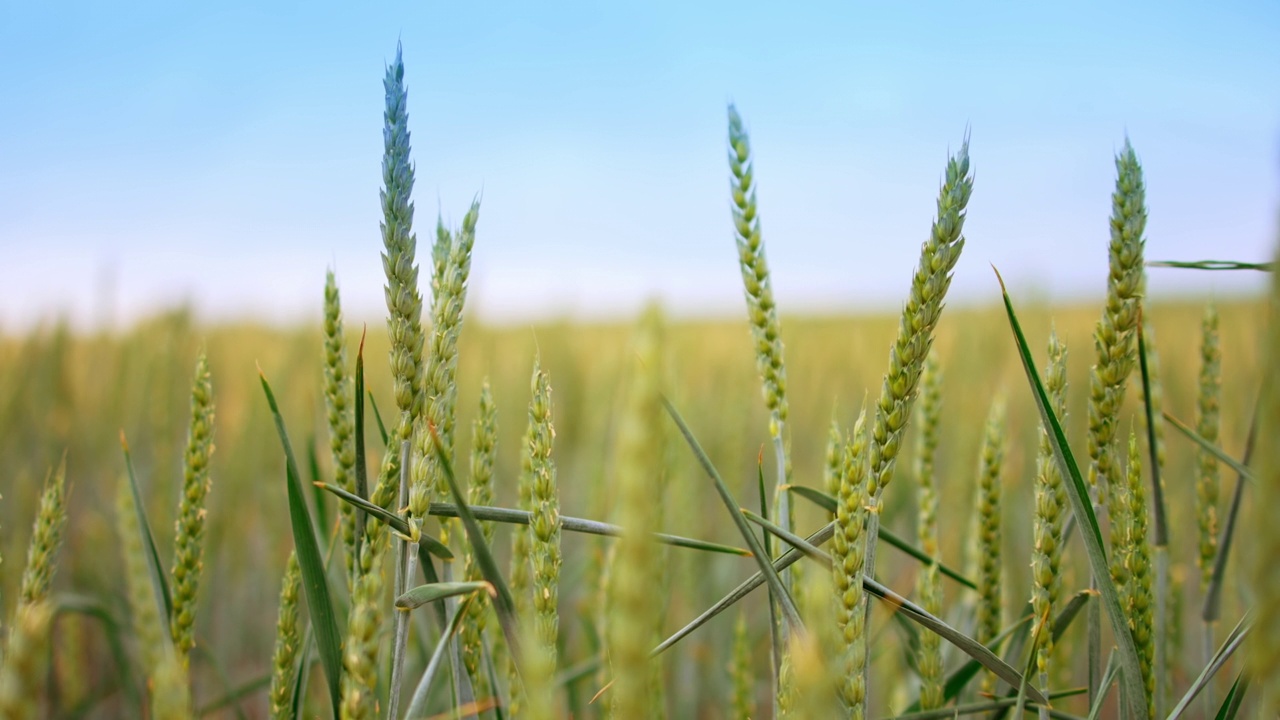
pixel 1228 648
pixel 828 503
pixel 1104 687
pixel 164 600
pixel 418 704
pixel 522 517
pixel 980 707
pixel 910 610
pixel 1235 696
pixel 1212 265
pixel 315 581
pixel 1082 508
pixel 786 603
pixel 503 604
pixel 391 520
pixel 235 695
pixel 1240 468
pixel 1212 611
pixel 423 594
pixel 377 418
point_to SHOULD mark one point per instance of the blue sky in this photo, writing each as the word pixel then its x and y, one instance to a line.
pixel 228 154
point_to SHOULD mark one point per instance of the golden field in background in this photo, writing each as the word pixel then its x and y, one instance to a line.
pixel 66 392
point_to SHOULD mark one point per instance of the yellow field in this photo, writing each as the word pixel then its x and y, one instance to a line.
pixel 66 392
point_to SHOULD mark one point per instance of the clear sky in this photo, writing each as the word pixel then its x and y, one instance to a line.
pixel 227 154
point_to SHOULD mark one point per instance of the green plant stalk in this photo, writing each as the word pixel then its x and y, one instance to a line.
pixel 928 583
pixel 1050 502
pixel 920 316
pixel 188 555
pixel 46 539
pixel 288 643
pixel 339 402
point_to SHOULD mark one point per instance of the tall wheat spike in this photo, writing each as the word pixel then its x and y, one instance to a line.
pixel 188 555
pixel 339 402
pixel 1050 513
pixel 631 624
pixel 484 432
pixel 989 535
pixel 928 582
pixel 762 311
pixel 288 642
pixel 152 635
pixel 404 328
pixel 847 555
pixel 46 539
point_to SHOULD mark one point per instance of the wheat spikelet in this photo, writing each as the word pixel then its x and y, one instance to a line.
pixel 989 552
pixel 848 555
pixel 147 627
pixel 743 700
pixel 1208 423
pixel 484 432
pixel 22 672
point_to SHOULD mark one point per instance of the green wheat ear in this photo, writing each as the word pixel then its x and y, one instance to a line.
pixel 484 432
pixel 1050 507
pixel 1115 339
pixel 928 583
pixel 631 625
pixel 848 557
pixel 1134 553
pixel 189 540
pixel 439 378
pixel 288 642
pixel 339 402
pixel 1208 425
pixel 545 521
pixel 989 543
pixel 46 538
pixel 762 311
